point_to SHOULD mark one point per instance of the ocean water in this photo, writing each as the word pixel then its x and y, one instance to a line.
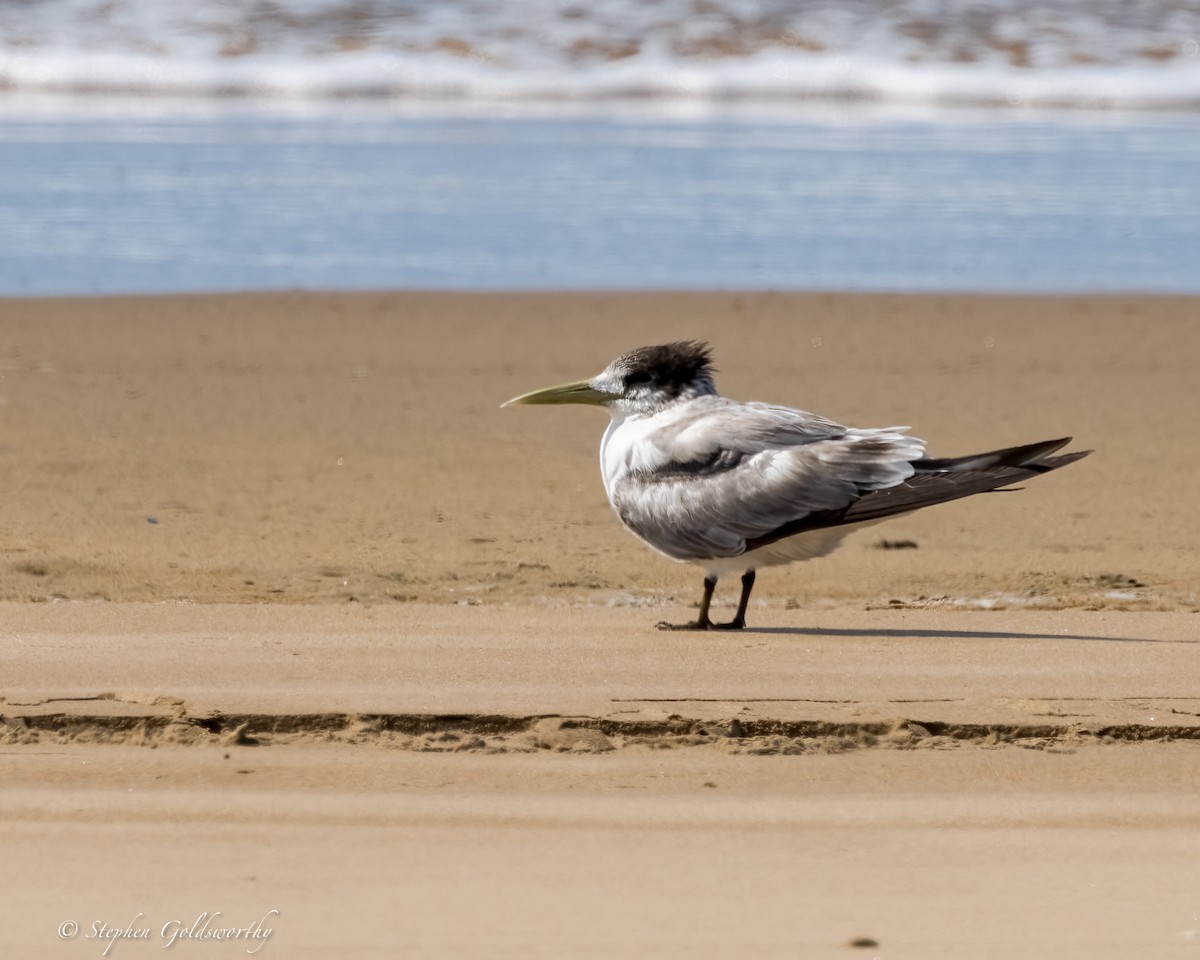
pixel 550 144
pixel 254 199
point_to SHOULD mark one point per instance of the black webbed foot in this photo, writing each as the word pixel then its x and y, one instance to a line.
pixel 704 624
pixel 735 624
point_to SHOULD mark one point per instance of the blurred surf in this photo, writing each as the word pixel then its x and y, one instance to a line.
pixel 1063 53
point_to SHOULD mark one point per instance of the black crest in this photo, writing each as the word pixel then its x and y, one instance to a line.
pixel 670 367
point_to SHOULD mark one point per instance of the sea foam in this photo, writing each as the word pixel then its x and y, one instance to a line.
pixel 1066 53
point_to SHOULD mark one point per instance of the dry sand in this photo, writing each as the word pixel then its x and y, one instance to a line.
pixel 323 631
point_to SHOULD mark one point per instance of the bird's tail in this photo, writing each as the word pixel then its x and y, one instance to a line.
pixel 935 481
pixel 1031 456
pixel 939 481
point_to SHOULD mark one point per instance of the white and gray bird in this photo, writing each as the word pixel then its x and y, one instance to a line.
pixel 732 486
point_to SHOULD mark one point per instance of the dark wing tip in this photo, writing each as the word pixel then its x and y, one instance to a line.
pixel 1027 456
pixel 1047 464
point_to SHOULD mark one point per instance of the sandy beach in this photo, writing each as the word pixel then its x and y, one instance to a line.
pixel 298 627
pixel 298 448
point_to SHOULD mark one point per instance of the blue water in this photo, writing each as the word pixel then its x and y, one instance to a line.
pixel 254 200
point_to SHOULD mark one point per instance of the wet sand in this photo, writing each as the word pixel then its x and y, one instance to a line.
pixel 296 448
pixel 294 618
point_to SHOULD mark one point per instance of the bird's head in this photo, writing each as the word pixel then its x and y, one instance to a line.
pixel 641 381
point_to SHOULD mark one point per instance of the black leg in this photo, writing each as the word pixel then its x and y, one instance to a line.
pixel 701 622
pixel 739 620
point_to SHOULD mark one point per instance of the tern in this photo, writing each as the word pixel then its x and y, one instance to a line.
pixel 733 486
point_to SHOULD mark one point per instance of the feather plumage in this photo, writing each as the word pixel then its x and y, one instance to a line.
pixel 734 486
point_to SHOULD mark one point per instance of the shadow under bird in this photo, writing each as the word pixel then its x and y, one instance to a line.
pixel 732 486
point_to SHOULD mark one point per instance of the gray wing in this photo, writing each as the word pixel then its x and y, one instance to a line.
pixel 720 473
pixel 935 481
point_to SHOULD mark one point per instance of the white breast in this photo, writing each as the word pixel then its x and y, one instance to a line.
pixel 625 447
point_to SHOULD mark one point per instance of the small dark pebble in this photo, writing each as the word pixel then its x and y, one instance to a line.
pixel 896 545
pixel 863 942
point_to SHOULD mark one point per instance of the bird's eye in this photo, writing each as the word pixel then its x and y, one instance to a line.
pixel 637 378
